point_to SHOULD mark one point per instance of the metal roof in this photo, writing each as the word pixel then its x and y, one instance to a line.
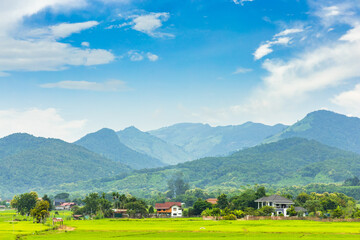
pixel 275 199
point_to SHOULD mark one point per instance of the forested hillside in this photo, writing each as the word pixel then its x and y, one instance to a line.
pixel 288 162
pixel 327 127
pixel 28 162
pixel 106 143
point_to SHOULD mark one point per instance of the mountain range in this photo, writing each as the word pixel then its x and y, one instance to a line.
pixel 28 162
pixel 322 147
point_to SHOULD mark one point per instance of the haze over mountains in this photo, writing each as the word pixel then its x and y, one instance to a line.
pixel 230 156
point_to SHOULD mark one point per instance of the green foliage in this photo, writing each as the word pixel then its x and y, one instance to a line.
pixel 46 198
pixel 177 185
pixel 266 211
pixel 24 202
pixel 230 217
pixel 355 181
pixel 328 128
pixel 29 162
pixel 151 209
pixel 222 202
pixel 41 211
pixel 62 196
pixel 106 143
pixel 291 211
pixel 199 206
pixel 337 213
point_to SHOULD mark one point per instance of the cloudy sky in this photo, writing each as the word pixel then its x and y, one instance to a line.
pixel 68 67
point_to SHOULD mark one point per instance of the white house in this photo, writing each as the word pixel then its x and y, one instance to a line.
pixel 280 203
pixel 172 209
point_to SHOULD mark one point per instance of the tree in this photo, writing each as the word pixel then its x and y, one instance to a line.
pixel 291 212
pixel 355 181
pixel 266 211
pixel 177 185
pixel 260 192
pixel 137 207
pixel 46 198
pixel 312 205
pixel 199 206
pixel 62 196
pixel 151 209
pixel 338 212
pixel 222 202
pixel 302 198
pixel 91 203
pixel 25 202
pixel 41 211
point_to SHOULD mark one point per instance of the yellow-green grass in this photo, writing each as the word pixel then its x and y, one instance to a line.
pixel 199 229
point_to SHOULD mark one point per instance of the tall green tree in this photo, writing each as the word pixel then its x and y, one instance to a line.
pixel 222 201
pixel 177 185
pixel 46 198
pixel 24 202
pixel 41 211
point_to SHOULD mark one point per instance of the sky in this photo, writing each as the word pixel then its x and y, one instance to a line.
pixel 70 67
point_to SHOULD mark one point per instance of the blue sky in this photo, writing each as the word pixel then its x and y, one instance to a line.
pixel 70 67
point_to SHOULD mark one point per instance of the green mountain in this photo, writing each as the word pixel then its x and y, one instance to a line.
pixel 327 127
pixel 106 143
pixel 148 144
pixel 28 162
pixel 293 161
pixel 202 140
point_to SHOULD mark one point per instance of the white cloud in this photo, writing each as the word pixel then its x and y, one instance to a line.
pixel 135 56
pixel 266 49
pixel 85 44
pixel 66 29
pixel 40 122
pixel 289 31
pixel 242 70
pixel 112 85
pixel 147 23
pixel 24 49
pixel 349 100
pixel 352 35
pixel 278 39
pixel 152 57
pixel 242 1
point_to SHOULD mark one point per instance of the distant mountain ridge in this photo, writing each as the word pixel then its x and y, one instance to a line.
pixel 27 162
pixel 202 140
pixel 106 143
pixel 293 161
pixel 153 146
pixel 327 127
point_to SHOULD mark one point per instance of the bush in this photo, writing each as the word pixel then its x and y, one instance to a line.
pixel 230 217
pixel 239 213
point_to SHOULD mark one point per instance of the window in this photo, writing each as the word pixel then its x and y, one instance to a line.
pixel 175 209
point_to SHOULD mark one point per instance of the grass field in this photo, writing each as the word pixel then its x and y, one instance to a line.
pixel 186 229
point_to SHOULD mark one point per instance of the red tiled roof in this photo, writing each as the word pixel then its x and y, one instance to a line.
pixel 67 204
pixel 212 200
pixel 167 205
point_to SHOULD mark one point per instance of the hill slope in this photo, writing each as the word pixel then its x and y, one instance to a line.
pixel 288 162
pixel 106 143
pixel 326 127
pixel 202 140
pixel 148 144
pixel 28 162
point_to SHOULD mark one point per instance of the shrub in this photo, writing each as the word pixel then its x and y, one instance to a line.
pixel 230 217
pixel 239 213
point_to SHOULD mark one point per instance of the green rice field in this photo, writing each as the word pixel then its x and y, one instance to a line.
pixel 193 228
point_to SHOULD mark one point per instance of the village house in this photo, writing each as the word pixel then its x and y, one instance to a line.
pixel 2 207
pixel 280 204
pixel 65 206
pixel 172 209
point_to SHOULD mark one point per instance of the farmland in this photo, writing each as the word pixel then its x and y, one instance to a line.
pixel 186 228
